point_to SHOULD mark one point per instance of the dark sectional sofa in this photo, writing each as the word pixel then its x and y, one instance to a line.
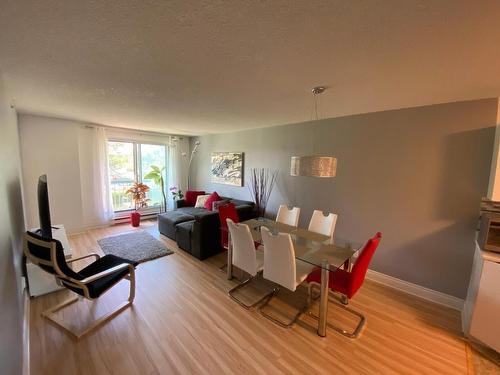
pixel 197 230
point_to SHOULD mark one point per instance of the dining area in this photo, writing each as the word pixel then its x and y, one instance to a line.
pixel 287 256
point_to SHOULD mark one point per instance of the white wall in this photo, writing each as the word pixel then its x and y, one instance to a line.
pixel 11 229
pixel 50 146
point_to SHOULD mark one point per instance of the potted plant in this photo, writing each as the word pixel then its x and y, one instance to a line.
pixel 156 175
pixel 176 193
pixel 138 192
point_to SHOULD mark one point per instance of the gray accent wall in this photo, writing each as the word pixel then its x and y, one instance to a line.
pixel 417 175
pixel 11 229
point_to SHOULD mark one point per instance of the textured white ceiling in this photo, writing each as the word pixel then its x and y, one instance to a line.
pixel 196 67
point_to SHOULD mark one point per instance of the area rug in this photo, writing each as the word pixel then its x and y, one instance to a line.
pixel 138 246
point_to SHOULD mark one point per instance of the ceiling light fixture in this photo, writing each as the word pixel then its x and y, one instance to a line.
pixel 314 166
pixel 318 90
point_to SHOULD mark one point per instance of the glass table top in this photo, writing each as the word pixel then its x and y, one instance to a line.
pixel 310 247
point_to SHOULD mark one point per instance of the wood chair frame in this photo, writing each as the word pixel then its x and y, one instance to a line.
pixel 60 277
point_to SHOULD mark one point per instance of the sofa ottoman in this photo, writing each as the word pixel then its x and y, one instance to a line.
pixel 169 220
pixel 197 230
pixel 183 235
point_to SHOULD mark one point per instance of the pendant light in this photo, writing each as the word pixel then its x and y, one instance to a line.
pixel 311 165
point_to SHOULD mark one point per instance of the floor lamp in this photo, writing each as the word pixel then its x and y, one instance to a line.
pixel 193 152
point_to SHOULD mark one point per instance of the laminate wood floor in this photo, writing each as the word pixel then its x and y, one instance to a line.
pixel 183 322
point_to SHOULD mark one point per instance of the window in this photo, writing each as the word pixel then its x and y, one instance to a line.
pixel 129 162
pixel 152 155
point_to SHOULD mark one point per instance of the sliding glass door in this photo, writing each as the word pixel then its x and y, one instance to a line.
pixel 121 158
pixel 153 156
pixel 130 162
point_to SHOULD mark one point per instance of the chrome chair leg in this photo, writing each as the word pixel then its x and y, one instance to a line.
pixel 362 320
pixel 248 307
pixel 276 320
pixel 223 268
pixel 310 298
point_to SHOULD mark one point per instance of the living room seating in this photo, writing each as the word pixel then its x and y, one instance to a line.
pixel 90 282
pixel 167 223
pixel 288 216
pixel 191 196
pixel 347 283
pixel 197 230
pixel 281 267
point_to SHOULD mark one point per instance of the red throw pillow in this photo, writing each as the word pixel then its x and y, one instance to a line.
pixel 214 197
pixel 191 196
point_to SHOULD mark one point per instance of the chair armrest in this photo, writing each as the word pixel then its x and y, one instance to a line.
pixel 97 256
pixel 107 272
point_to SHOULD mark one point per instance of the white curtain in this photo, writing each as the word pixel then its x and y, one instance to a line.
pixel 102 189
pixel 178 155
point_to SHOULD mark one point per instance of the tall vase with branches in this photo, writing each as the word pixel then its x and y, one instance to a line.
pixel 262 181
pixel 156 174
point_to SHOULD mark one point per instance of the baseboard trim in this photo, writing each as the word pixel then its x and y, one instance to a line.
pixel 26 333
pixel 76 231
pixel 126 219
pixel 416 290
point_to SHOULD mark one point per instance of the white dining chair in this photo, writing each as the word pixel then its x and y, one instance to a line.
pixel 245 257
pixel 288 216
pixel 281 267
pixel 323 224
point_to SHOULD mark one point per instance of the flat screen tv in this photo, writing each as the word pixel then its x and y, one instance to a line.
pixel 43 207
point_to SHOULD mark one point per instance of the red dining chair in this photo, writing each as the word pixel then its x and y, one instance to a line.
pixel 226 211
pixel 347 283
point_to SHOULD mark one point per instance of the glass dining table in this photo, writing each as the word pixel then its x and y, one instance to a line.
pixel 310 247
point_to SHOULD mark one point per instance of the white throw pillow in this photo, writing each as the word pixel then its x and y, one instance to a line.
pixel 200 200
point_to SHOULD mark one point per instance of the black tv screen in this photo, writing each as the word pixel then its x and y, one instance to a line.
pixel 43 207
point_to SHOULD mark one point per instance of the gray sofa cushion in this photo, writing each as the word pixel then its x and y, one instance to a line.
pixel 168 221
pixel 240 202
pixel 183 235
pixel 192 211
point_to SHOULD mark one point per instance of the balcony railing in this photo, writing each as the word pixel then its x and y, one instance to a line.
pixel 123 202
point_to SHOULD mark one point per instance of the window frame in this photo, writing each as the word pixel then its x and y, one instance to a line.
pixel 138 171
